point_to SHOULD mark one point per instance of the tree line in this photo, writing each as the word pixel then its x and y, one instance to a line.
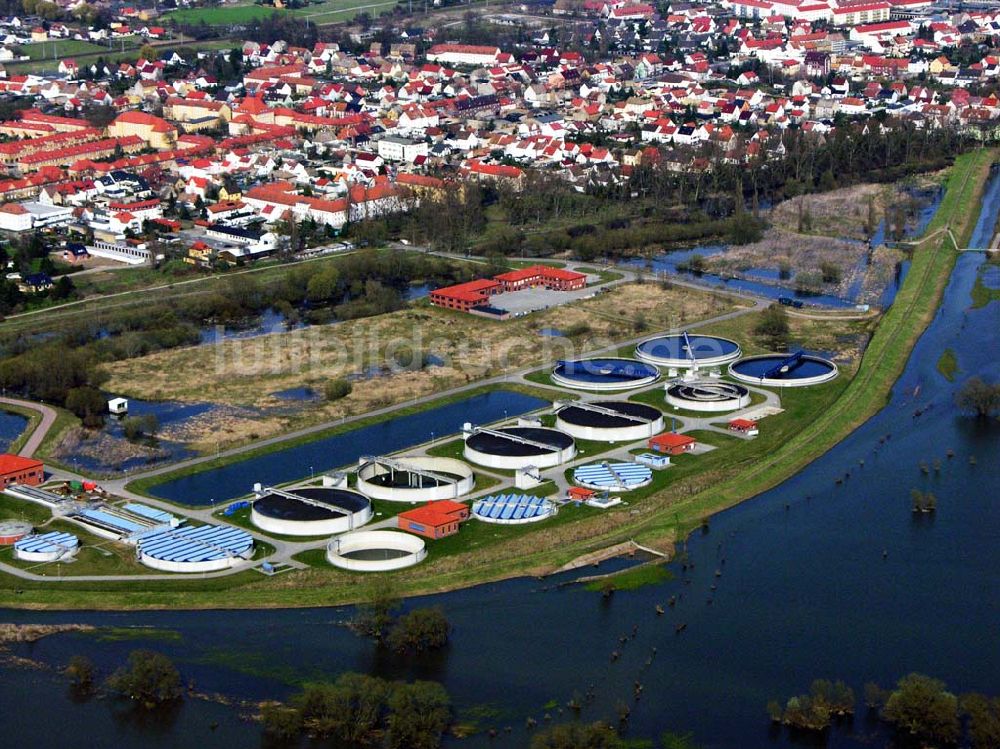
pixel 919 709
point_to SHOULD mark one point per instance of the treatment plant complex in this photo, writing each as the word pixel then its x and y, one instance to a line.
pixel 615 429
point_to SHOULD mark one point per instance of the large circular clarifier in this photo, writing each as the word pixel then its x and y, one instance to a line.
pixel 604 374
pixel 415 479
pixel 518 447
pixel 609 421
pixel 687 350
pixel 710 396
pixel 310 511
pixel 784 370
pixel 375 551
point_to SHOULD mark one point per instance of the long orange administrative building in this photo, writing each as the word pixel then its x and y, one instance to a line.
pixel 466 296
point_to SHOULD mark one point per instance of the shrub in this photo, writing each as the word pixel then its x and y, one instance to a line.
pixel 773 328
pixel 337 389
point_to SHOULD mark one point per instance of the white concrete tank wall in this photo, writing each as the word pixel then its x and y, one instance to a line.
pixel 462 486
pixel 611 434
pixel 784 383
pixel 413 548
pixel 739 399
pixel 328 527
pixel 513 462
pixel 211 565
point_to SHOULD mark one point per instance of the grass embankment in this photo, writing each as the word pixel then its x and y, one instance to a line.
pixel 761 464
pixel 631 579
pixel 33 417
pixel 64 420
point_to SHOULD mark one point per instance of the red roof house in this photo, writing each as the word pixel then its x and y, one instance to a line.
pixel 434 519
pixel 17 470
pixel 672 443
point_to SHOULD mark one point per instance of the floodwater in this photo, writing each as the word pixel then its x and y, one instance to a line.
pixel 318 456
pixel 812 579
pixel 766 282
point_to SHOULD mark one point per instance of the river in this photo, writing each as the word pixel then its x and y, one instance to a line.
pixel 818 579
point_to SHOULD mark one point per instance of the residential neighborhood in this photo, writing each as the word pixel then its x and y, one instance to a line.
pixel 231 145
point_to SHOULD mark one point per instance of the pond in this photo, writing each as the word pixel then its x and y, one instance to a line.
pixel 328 453
pixel 11 427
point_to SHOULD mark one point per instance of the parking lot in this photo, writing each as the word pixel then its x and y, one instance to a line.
pixel 538 298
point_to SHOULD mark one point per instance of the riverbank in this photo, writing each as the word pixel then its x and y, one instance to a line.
pixel 843 408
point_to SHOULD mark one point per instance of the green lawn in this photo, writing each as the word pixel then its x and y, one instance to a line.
pixel 326 11
pixel 60 49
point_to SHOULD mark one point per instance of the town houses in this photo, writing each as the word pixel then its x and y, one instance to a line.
pixel 339 133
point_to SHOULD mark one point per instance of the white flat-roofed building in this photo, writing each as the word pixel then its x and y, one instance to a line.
pixel 395 148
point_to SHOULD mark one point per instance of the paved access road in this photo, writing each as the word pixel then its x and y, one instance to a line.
pixel 48 419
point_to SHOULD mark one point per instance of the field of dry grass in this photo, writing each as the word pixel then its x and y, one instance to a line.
pixel 245 373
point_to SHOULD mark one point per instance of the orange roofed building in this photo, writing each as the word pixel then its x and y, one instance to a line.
pixel 434 519
pixel 156 131
pixel 17 470
pixel 466 296
pixel 542 275
pixel 672 443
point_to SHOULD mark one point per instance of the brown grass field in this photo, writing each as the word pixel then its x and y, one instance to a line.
pixel 243 373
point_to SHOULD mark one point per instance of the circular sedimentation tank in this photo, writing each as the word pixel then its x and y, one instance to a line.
pixel 310 511
pixel 12 531
pixel 783 370
pixel 375 551
pixel 190 548
pixel 609 421
pixel 415 479
pixel 513 509
pixel 682 351
pixel 613 476
pixel 707 395
pixel 604 374
pixel 46 547
pixel 518 447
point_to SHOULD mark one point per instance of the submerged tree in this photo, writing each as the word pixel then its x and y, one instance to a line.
pixel 597 735
pixel 922 708
pixel 149 678
pixel 979 398
pixel 420 630
pixel 983 716
pixel 80 671
pixel 375 615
